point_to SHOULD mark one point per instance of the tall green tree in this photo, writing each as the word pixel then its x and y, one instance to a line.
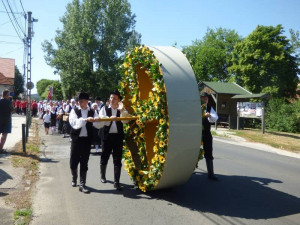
pixel 43 89
pixel 210 57
pixel 18 83
pixel 295 40
pixel 265 62
pixel 42 85
pixel 94 37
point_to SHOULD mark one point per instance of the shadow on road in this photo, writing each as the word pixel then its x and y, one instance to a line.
pixel 4 176
pixel 48 160
pixel 284 135
pixel 234 196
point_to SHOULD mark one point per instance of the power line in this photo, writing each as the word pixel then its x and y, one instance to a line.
pixel 11 20
pixel 22 7
pixel 10 42
pixel 7 35
pixel 11 51
pixel 15 18
pixel 8 21
pixel 17 9
pixel 12 12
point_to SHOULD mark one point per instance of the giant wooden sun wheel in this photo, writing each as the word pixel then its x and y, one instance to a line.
pixel 159 87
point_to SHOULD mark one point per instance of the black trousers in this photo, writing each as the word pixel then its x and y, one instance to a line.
pixel 80 153
pixel 113 144
pixel 207 145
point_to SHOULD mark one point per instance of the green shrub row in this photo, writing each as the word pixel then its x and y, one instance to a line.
pixel 282 115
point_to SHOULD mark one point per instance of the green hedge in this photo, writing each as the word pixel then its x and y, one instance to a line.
pixel 283 116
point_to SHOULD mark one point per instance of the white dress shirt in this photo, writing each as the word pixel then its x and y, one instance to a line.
pixel 77 123
pixel 113 129
pixel 47 118
pixel 68 107
pixel 213 115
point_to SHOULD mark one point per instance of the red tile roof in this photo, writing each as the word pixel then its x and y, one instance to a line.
pixel 5 80
pixel 7 67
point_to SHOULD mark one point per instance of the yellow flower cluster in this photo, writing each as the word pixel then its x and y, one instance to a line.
pixel 146 176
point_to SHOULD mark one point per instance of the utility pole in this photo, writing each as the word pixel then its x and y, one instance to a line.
pixel 29 84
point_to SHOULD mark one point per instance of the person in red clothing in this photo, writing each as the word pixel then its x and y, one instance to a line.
pixel 17 106
pixel 23 106
pixel 34 108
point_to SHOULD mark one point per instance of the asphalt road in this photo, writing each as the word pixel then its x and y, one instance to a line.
pixel 255 187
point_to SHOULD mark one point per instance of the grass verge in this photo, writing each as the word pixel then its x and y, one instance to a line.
pixel 29 160
pixel 281 140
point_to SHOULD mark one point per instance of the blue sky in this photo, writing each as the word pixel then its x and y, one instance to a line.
pixel 161 23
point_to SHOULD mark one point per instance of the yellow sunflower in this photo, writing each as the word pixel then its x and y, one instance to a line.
pixel 161 144
pixel 161 159
pixel 161 121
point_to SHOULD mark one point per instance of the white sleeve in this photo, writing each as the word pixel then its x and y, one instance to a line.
pixel 75 122
pixel 97 125
pixel 213 116
pixel 125 114
pixel 102 114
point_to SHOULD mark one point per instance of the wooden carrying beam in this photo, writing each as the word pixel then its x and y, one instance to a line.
pixel 117 119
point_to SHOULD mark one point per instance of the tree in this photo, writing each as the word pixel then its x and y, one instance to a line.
pixel 264 62
pixel 295 41
pixel 210 57
pixel 42 85
pixel 43 89
pixel 57 91
pixel 90 46
pixel 18 83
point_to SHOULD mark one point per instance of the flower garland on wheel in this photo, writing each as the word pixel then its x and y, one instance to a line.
pixel 150 109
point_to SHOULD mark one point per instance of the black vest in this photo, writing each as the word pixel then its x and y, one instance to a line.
pixel 75 107
pixel 5 110
pixel 105 129
pixel 89 126
pixel 205 123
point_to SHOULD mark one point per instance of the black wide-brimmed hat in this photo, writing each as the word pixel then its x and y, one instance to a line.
pixel 83 96
pixel 116 92
pixel 204 94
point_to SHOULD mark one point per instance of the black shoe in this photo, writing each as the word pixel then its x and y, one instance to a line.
pixel 118 187
pixel 210 170
pixel 103 172
pixel 212 177
pixel 117 173
pixel 74 177
pixel 83 189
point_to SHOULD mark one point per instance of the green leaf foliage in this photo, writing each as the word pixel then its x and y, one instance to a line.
pixel 43 89
pixel 265 62
pixel 283 116
pixel 295 40
pixel 94 36
pixel 42 85
pixel 210 57
pixel 18 83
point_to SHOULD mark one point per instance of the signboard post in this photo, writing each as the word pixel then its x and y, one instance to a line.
pixel 254 110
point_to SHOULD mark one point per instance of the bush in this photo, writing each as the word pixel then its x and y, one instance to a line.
pixel 252 123
pixel 283 116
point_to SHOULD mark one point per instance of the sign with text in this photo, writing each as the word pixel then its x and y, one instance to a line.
pixel 249 109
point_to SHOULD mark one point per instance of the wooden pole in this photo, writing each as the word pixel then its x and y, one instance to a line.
pixel 116 119
pixel 238 120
